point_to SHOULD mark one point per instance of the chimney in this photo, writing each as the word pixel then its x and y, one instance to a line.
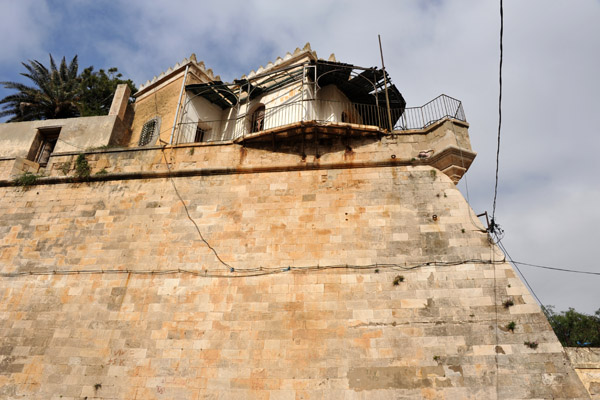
pixel 119 103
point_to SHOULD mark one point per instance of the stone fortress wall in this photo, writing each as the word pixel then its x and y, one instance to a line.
pixel 353 275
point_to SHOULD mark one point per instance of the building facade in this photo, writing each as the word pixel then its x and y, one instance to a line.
pixel 294 234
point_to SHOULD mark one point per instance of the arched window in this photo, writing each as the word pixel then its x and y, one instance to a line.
pixel 258 119
pixel 149 132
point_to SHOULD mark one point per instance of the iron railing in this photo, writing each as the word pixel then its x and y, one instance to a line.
pixel 322 111
pixel 439 108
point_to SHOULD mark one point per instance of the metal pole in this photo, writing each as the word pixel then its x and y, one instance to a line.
pixel 315 103
pixel 387 99
pixel 302 105
pixel 376 98
pixel 187 67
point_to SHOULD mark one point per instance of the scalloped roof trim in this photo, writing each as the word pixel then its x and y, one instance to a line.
pixel 279 60
pixel 298 53
pixel 191 60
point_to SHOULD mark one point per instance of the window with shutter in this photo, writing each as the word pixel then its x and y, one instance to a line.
pixel 149 132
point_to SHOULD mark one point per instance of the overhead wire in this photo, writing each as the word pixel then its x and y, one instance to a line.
pixel 496 334
pixel 499 242
pixel 557 269
pixel 493 221
pixel 462 160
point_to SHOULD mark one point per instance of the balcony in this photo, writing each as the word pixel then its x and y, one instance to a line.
pixel 324 112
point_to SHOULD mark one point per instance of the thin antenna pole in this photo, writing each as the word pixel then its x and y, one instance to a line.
pixel 387 99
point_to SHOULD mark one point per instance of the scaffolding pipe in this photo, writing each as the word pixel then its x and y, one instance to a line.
pixel 187 67
pixel 387 100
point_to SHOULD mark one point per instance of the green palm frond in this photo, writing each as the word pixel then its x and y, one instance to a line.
pixel 60 91
pixel 55 92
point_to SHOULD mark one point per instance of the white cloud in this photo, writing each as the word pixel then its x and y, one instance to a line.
pixel 22 26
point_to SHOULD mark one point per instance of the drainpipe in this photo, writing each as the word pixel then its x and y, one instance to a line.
pixel 179 103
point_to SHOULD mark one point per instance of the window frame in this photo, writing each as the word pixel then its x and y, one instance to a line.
pixel 149 139
pixel 43 145
pixel 256 124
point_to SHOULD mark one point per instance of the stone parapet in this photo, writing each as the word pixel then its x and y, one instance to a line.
pixel 444 147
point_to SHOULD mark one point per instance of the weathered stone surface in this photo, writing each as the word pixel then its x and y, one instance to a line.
pixel 310 309
pixel 586 362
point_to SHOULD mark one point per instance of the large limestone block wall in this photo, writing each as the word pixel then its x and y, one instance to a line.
pixel 109 291
pixel 586 361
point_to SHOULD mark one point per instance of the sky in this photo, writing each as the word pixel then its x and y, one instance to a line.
pixel 548 191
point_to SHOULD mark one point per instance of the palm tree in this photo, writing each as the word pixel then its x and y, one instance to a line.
pixel 55 93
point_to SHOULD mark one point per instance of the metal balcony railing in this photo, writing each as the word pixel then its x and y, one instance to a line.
pixel 421 117
pixel 322 111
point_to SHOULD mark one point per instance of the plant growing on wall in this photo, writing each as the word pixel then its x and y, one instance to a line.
pixel 532 345
pixel 511 326
pixel 82 168
pixel 508 303
pixel 26 180
pixel 65 167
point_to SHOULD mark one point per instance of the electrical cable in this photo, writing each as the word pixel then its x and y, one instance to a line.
pixel 493 221
pixel 187 212
pixel 462 160
pixel 249 272
pixel 73 145
pixel 499 242
pixel 557 269
pixel 492 256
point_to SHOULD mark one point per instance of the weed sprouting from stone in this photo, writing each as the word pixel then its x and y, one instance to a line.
pixel 398 279
pixel 511 326
pixel 65 167
pixel 508 303
pixel 532 345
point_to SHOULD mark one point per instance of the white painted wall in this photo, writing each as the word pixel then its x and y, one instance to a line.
pixel 76 134
pixel 200 112
pixel 332 102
